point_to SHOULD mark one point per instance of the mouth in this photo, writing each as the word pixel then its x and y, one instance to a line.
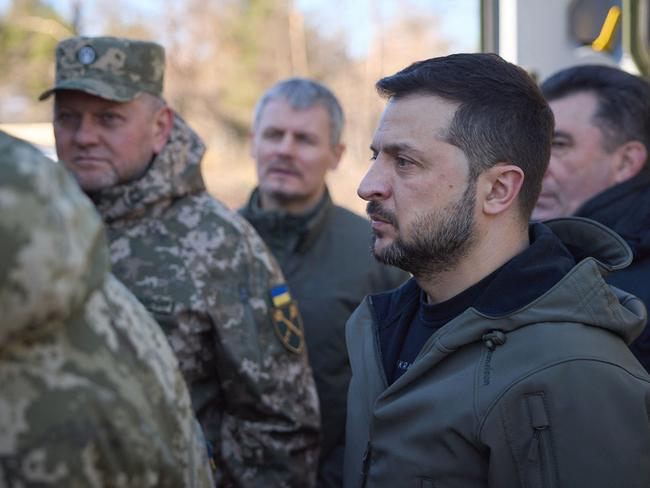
pixel 545 198
pixel 283 171
pixel 87 160
pixel 376 219
pixel 381 220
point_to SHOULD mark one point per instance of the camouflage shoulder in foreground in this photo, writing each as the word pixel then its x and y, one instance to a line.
pixel 209 279
pixel 91 394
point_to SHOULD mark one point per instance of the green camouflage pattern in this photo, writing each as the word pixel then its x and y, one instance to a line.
pixel 91 394
pixel 109 67
pixel 206 276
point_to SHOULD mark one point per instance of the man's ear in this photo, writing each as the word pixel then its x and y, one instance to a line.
pixel 162 127
pixel 337 152
pixel 499 187
pixel 632 158
pixel 250 139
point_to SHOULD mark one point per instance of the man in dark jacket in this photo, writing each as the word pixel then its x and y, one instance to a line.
pixel 599 167
pixel 323 249
pixel 503 362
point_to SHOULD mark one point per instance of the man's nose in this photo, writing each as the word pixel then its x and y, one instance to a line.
pixel 552 163
pixel 375 185
pixel 286 145
pixel 86 132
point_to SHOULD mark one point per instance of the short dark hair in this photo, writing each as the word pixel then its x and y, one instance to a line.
pixel 623 111
pixel 502 116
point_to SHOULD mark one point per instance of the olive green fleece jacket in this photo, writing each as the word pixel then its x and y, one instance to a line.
pixel 545 396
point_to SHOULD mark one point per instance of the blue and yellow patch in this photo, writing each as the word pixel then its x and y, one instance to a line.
pixel 286 319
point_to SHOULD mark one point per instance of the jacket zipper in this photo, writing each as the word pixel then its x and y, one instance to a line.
pixel 365 466
pixel 367 455
pixel 375 340
pixel 539 451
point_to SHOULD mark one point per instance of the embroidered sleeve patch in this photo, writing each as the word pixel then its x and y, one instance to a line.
pixel 286 319
pixel 280 296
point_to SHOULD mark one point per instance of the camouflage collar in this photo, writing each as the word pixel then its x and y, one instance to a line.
pixel 173 173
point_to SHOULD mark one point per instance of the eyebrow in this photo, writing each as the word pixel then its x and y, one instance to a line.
pixel 399 147
pixel 301 132
pixel 561 133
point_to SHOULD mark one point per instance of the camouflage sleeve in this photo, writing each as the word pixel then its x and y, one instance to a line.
pixel 90 392
pixel 101 405
pixel 270 427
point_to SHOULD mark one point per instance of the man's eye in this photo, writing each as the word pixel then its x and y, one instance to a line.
pixel 64 117
pixel 109 118
pixel 402 163
pixel 559 144
pixel 273 135
pixel 304 139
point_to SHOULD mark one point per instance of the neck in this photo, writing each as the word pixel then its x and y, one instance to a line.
pixel 493 249
pixel 293 206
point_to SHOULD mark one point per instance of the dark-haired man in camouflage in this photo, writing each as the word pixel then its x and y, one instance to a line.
pixel 91 394
pixel 198 268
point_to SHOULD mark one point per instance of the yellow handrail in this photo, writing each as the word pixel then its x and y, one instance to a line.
pixel 605 39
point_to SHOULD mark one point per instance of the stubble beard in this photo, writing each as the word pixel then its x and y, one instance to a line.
pixel 440 239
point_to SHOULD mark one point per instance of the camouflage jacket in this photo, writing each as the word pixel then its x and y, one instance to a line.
pixel 91 394
pixel 207 277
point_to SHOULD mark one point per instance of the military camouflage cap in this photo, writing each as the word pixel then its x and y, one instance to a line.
pixel 109 67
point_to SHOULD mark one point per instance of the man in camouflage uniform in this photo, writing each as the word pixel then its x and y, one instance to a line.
pixel 201 271
pixel 91 392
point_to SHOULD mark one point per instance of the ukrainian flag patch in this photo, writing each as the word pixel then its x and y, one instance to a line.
pixel 286 319
pixel 280 296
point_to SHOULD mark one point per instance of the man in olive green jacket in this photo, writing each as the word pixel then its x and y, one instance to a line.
pixel 323 249
pixel 503 362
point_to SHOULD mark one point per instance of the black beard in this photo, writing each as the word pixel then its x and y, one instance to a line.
pixel 440 240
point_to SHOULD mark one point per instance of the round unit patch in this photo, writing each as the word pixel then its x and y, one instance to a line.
pixel 86 55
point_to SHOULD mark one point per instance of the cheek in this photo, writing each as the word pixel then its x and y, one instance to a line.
pixel 263 154
pixel 62 139
pixel 564 170
pixel 131 151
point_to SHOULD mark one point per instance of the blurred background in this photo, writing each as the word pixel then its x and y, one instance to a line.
pixel 223 54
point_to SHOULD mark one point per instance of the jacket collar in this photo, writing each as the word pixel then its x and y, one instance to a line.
pixel 285 232
pixel 581 296
pixel 625 208
pixel 604 200
pixel 597 251
pixel 173 173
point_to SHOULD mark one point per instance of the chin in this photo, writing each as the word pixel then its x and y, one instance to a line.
pixel 378 248
pixel 95 184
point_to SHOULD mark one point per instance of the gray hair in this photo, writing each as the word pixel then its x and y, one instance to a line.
pixel 302 94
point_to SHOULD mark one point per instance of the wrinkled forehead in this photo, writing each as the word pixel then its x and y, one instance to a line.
pixel 280 113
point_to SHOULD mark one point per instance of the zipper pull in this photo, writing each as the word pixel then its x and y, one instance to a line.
pixel 538 421
pixel 494 338
pixel 533 449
